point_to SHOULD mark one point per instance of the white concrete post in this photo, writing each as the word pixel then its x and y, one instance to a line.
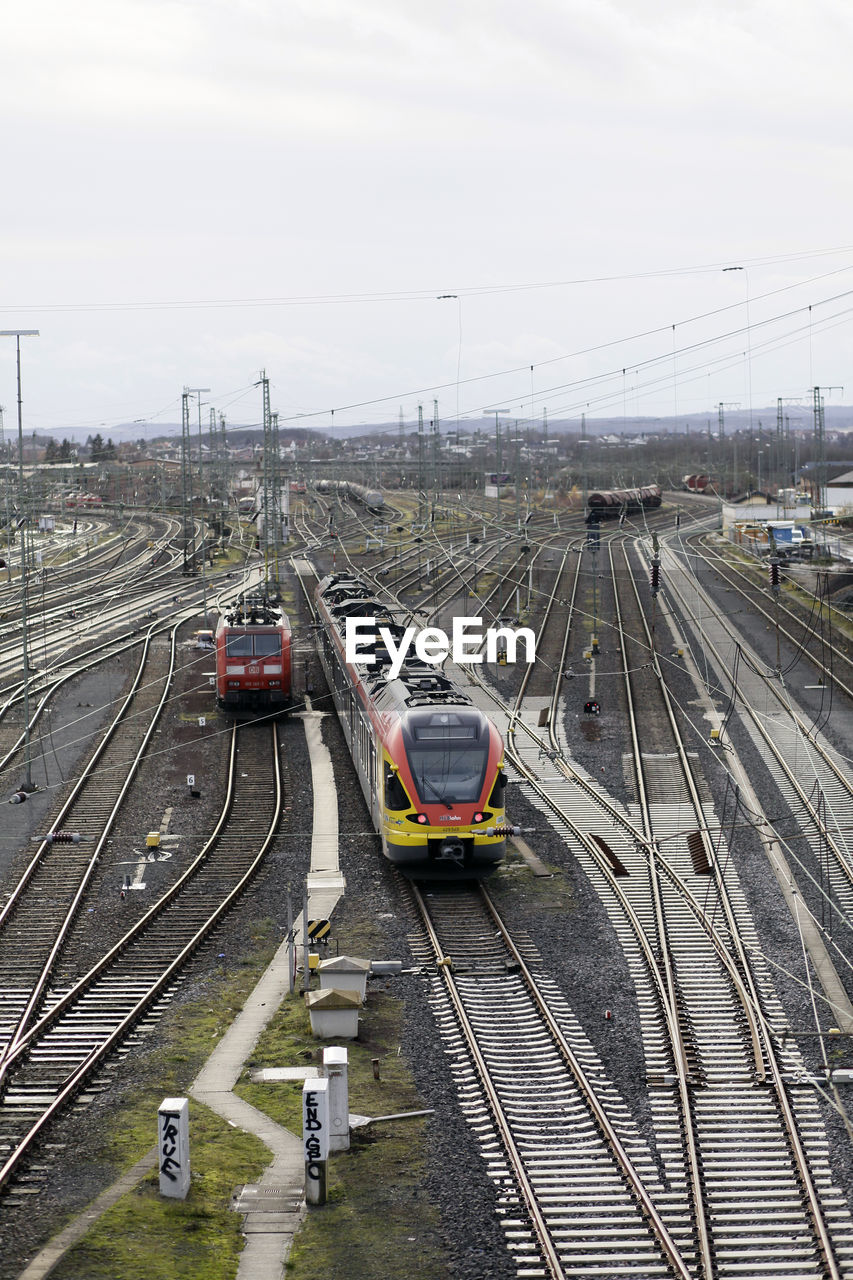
pixel 315 1138
pixel 335 1063
pixel 173 1147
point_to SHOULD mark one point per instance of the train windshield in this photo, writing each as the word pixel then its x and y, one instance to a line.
pixel 448 772
pixel 245 644
pixel 238 645
pixel 267 644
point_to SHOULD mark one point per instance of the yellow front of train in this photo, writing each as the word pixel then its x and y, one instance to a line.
pixel 443 793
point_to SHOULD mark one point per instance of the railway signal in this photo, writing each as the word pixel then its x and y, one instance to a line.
pixel 592 708
pixel 774 575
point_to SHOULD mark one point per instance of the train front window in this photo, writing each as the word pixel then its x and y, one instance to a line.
pixel 450 774
pixel 246 644
pixel 238 645
pixel 267 644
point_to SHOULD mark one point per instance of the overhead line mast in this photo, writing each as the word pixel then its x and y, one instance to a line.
pixel 17 334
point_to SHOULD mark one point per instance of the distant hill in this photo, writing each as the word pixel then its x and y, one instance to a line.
pixel 799 417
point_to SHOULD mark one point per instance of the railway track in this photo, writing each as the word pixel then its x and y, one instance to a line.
pixel 745 1145
pixel 770 1168
pixel 812 776
pixel 580 1191
pixel 815 629
pixel 39 911
pixel 84 1025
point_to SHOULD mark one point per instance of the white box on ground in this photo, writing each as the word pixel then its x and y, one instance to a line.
pixel 333 1013
pixel 173 1147
pixel 336 1066
pixel 345 973
pixel 315 1138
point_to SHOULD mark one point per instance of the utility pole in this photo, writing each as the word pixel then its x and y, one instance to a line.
pixel 212 469
pixel 780 432
pixel 186 495
pixel 721 436
pixel 225 467
pixel 421 464
pixel 17 334
pixel 436 452
pixel 197 391
pixel 820 446
pixel 7 501
pixel 271 505
pixel 547 458
pixel 517 482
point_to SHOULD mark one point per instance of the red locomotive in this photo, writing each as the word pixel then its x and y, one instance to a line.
pixel 430 763
pixel 253 658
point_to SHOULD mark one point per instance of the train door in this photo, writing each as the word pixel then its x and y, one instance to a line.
pixel 371 777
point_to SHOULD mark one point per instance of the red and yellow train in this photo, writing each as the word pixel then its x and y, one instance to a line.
pixel 253 656
pixel 430 763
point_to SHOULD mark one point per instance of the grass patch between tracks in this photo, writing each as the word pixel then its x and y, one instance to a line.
pixel 144 1236
pixel 377 1220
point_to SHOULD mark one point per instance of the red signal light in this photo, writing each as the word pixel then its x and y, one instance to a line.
pixel 422 817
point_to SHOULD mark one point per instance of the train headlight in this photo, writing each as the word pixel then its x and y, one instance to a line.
pixel 233 684
pixel 422 818
pixel 478 817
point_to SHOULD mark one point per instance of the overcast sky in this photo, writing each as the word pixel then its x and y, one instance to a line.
pixel 194 191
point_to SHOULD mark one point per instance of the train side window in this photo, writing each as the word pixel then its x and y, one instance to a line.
pixel 496 799
pixel 395 794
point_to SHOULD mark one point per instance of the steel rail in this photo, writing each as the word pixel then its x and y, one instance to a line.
pixel 700 1208
pixel 54 681
pixel 726 567
pixel 78 1077
pixel 163 902
pixel 776 1079
pixel 599 1113
pixel 843 865
pixel 88 871
pixel 537 1216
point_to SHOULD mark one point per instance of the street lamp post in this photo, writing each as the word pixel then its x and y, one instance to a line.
pixel 17 334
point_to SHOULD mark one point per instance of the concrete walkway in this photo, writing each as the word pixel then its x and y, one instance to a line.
pixel 273 1208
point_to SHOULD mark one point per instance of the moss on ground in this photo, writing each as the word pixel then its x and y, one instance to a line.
pixel 147 1237
pixel 377 1220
